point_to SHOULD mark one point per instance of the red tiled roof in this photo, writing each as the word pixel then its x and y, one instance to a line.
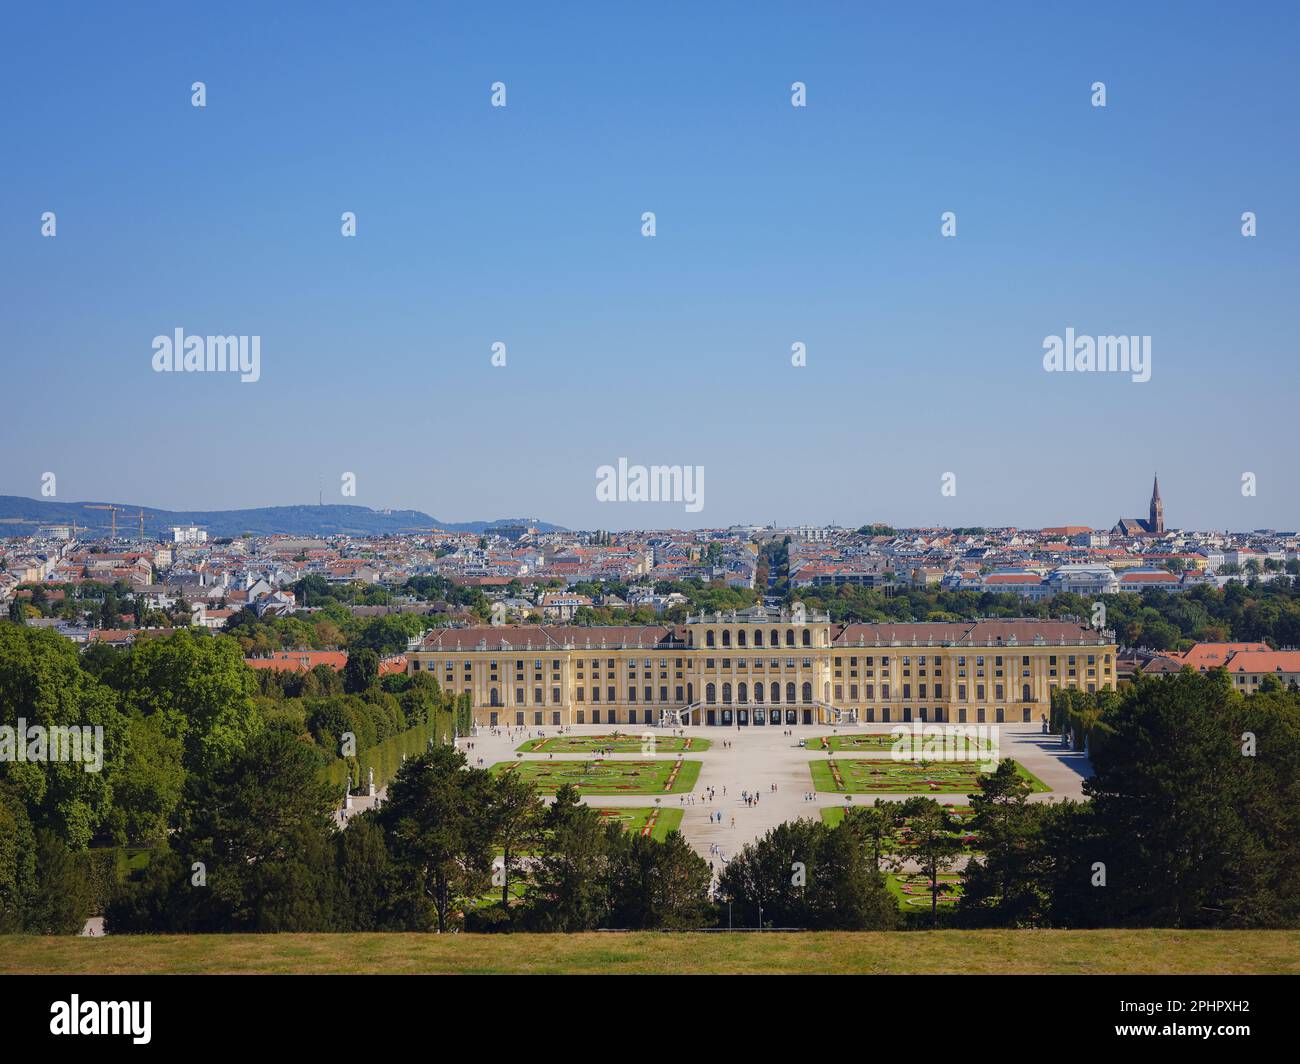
pixel 299 660
pixel 1212 655
pixel 1265 661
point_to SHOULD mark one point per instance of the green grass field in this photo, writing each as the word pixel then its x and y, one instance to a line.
pixel 661 776
pixel 900 952
pixel 616 743
pixel 870 743
pixel 855 776
pixel 635 820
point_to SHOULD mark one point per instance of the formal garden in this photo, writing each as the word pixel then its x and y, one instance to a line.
pixel 881 742
pixel 912 889
pixel 855 776
pixel 652 821
pixel 615 743
pixel 658 776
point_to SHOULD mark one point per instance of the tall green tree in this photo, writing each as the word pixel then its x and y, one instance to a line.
pixel 43 685
pixel 363 876
pixel 258 827
pixel 656 885
pixel 147 785
pixel 517 816
pixel 571 871
pixel 61 900
pixel 17 861
pixel 804 874
pixel 361 672
pixel 875 826
pixel 933 843
pixel 438 826
pixel 1196 799
pixel 765 884
pixel 200 687
pixel 1003 886
pixel 845 891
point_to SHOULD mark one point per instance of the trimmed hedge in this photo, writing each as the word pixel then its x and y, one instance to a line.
pixel 386 757
pixel 106 870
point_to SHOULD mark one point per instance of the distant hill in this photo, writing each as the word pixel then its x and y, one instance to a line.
pixel 20 516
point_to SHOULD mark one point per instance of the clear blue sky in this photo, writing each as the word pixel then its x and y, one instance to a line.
pixel 775 225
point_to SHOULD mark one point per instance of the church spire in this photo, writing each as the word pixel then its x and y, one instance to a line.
pixel 1156 524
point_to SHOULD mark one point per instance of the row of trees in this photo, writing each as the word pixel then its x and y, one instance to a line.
pixel 173 712
pixel 258 850
pixel 333 627
pixel 1194 818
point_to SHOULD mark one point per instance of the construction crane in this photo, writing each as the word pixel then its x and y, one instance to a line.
pixel 112 513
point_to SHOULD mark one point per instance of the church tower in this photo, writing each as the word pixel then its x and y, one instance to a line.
pixel 1156 524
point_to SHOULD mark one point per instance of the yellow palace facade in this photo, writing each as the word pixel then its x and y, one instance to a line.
pixel 764 667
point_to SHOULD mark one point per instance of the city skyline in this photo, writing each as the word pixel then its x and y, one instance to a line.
pixel 128 518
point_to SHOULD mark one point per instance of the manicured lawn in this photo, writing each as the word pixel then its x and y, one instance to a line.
pixel 615 743
pixel 828 953
pixel 854 776
pixel 871 743
pixel 665 820
pixel 666 775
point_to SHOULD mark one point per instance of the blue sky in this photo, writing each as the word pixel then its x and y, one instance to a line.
pixel 775 225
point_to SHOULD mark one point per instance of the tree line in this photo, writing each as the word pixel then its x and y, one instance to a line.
pixel 174 712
